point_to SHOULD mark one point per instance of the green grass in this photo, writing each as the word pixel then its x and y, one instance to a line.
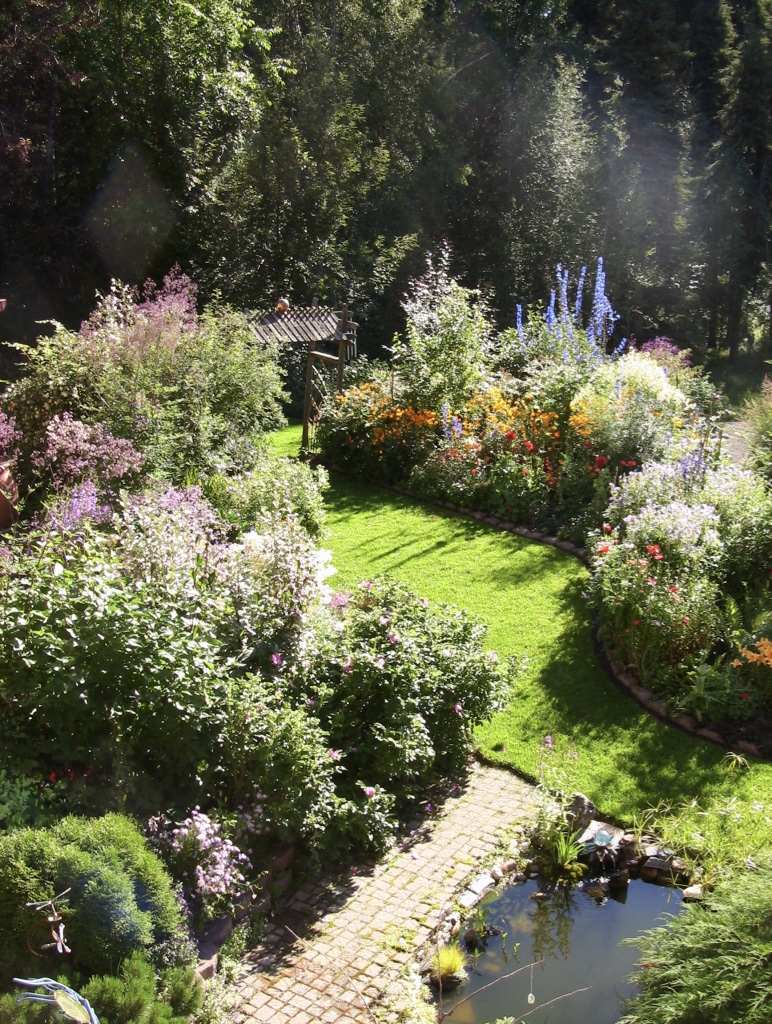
pixel 530 597
pixel 287 441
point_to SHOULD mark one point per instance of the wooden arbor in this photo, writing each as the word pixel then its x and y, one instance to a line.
pixel 329 339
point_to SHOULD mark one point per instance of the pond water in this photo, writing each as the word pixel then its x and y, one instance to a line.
pixel 576 934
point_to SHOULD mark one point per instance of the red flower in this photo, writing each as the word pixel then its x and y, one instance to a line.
pixel 510 435
pixel 474 471
pixel 529 446
pixel 673 590
pixel 651 580
pixel 525 472
pixel 608 527
pixel 601 461
pixel 636 622
pixel 653 549
pixel 52 776
pixel 631 463
pixel 744 696
pixel 604 549
pixel 588 444
pixel 685 619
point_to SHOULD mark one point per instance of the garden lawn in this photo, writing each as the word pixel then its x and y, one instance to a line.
pixel 529 595
pixel 287 441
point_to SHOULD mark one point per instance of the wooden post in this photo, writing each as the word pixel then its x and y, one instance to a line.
pixel 307 402
pixel 343 329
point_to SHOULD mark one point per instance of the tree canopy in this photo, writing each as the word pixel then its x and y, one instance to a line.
pixel 321 147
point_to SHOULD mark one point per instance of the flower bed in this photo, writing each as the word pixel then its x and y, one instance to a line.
pixel 618 452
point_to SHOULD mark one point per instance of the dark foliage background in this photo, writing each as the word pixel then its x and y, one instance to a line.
pixel 320 147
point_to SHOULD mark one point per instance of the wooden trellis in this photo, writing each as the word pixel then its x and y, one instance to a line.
pixel 344 339
pixel 329 339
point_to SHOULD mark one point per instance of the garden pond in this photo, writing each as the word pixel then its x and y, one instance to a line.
pixel 576 934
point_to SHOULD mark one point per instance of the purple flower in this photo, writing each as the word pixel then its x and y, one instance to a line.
pixel 549 745
pixel 339 600
pixel 369 792
pixel 380 663
pixel 458 709
pixel 76 451
pixel 392 638
pixel 277 660
pixel 348 665
pixel 334 755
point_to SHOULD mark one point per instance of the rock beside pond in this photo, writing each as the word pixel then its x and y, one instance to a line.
pixel 619 880
pixel 693 892
pixel 580 812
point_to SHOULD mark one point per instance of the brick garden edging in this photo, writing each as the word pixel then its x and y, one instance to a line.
pixel 616 671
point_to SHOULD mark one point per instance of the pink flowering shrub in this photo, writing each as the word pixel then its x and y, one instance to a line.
pixel 209 866
pixel 396 686
pixel 76 451
pixel 192 392
pixel 9 437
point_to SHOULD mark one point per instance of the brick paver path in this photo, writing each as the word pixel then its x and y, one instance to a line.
pixel 359 931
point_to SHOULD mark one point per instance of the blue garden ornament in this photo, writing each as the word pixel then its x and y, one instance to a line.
pixel 70 1004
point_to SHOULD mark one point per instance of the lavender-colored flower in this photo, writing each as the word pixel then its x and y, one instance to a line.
pixel 83 503
pixel 75 451
pixel 9 437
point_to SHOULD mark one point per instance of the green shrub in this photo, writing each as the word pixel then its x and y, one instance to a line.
pixel 712 962
pixel 445 349
pixel 282 751
pixel 192 392
pixel 117 639
pixel 121 897
pixel 274 487
pixel 398 688
pixel 758 411
pixel 139 996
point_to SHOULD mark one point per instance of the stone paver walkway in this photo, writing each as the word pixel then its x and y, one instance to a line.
pixel 358 932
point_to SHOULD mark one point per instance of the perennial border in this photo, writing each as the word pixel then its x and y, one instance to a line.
pixel 622 678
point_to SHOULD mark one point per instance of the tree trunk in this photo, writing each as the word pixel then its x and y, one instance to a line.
pixel 734 321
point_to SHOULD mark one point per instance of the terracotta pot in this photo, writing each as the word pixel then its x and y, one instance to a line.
pixel 9 495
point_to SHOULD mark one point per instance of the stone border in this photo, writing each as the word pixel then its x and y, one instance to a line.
pixel 615 670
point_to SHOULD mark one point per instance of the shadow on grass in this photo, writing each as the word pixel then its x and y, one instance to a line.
pixel 428 532
pixel 530 596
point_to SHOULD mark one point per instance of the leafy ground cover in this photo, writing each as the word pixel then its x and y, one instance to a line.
pixel 531 599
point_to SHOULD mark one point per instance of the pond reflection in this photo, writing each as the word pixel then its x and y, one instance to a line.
pixel 572 937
